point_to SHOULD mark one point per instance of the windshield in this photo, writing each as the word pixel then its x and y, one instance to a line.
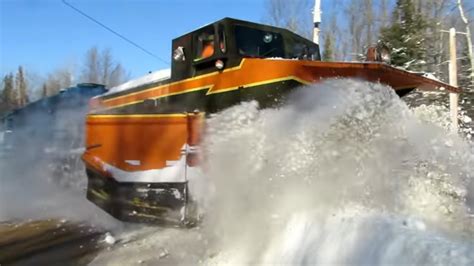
pixel 258 43
pixel 205 44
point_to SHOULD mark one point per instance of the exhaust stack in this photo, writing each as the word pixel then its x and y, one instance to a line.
pixel 316 20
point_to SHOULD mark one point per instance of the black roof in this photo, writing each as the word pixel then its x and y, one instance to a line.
pixel 228 20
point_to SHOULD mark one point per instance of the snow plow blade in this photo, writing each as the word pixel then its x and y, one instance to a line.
pixel 158 203
pixel 400 80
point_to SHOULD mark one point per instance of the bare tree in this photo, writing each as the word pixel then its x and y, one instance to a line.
pixel 332 43
pixel 35 82
pixel 117 76
pixel 9 94
pixel 106 66
pixel 355 24
pixel 383 16
pixel 51 86
pixel 65 77
pixel 294 15
pixel 100 67
pixel 328 52
pixel 362 29
pixel 369 19
pixel 91 71
pixel 61 78
pixel 468 37
pixel 44 91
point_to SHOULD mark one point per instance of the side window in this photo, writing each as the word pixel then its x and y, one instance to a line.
pixel 222 39
pixel 302 49
pixel 205 43
pixel 258 43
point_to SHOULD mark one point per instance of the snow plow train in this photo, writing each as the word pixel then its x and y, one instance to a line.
pixel 142 137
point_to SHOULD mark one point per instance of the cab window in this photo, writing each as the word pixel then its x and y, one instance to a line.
pixel 258 43
pixel 222 39
pixel 205 44
pixel 299 48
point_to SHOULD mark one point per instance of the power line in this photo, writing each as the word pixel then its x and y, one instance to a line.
pixel 116 33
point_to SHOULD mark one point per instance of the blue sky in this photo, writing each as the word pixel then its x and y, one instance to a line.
pixel 42 35
pixel 45 34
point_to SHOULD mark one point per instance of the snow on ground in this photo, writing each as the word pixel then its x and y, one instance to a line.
pixel 145 245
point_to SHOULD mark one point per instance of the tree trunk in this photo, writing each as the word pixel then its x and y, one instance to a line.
pixel 468 38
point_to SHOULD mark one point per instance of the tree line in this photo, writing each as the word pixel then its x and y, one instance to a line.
pixel 414 30
pixel 99 66
pixel 14 92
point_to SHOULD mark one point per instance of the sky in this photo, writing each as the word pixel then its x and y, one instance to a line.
pixel 43 35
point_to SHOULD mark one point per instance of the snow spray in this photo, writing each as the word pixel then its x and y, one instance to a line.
pixel 42 175
pixel 345 173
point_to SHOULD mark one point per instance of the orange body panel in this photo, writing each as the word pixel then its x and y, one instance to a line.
pixel 151 139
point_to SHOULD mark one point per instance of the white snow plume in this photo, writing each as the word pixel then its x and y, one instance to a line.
pixel 345 174
pixel 42 176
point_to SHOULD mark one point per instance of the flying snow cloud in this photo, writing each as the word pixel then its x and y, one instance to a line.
pixel 344 174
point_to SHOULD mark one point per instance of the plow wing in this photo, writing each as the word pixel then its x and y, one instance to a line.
pixel 400 80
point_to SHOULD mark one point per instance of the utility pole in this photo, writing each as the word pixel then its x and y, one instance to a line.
pixel 453 79
pixel 316 21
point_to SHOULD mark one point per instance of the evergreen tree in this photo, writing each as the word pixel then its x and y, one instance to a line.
pixel 44 91
pixel 9 95
pixel 406 36
pixel 3 103
pixel 21 87
pixel 13 100
pixel 5 87
pixel 328 45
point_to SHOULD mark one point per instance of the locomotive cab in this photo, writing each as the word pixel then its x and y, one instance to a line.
pixel 223 44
